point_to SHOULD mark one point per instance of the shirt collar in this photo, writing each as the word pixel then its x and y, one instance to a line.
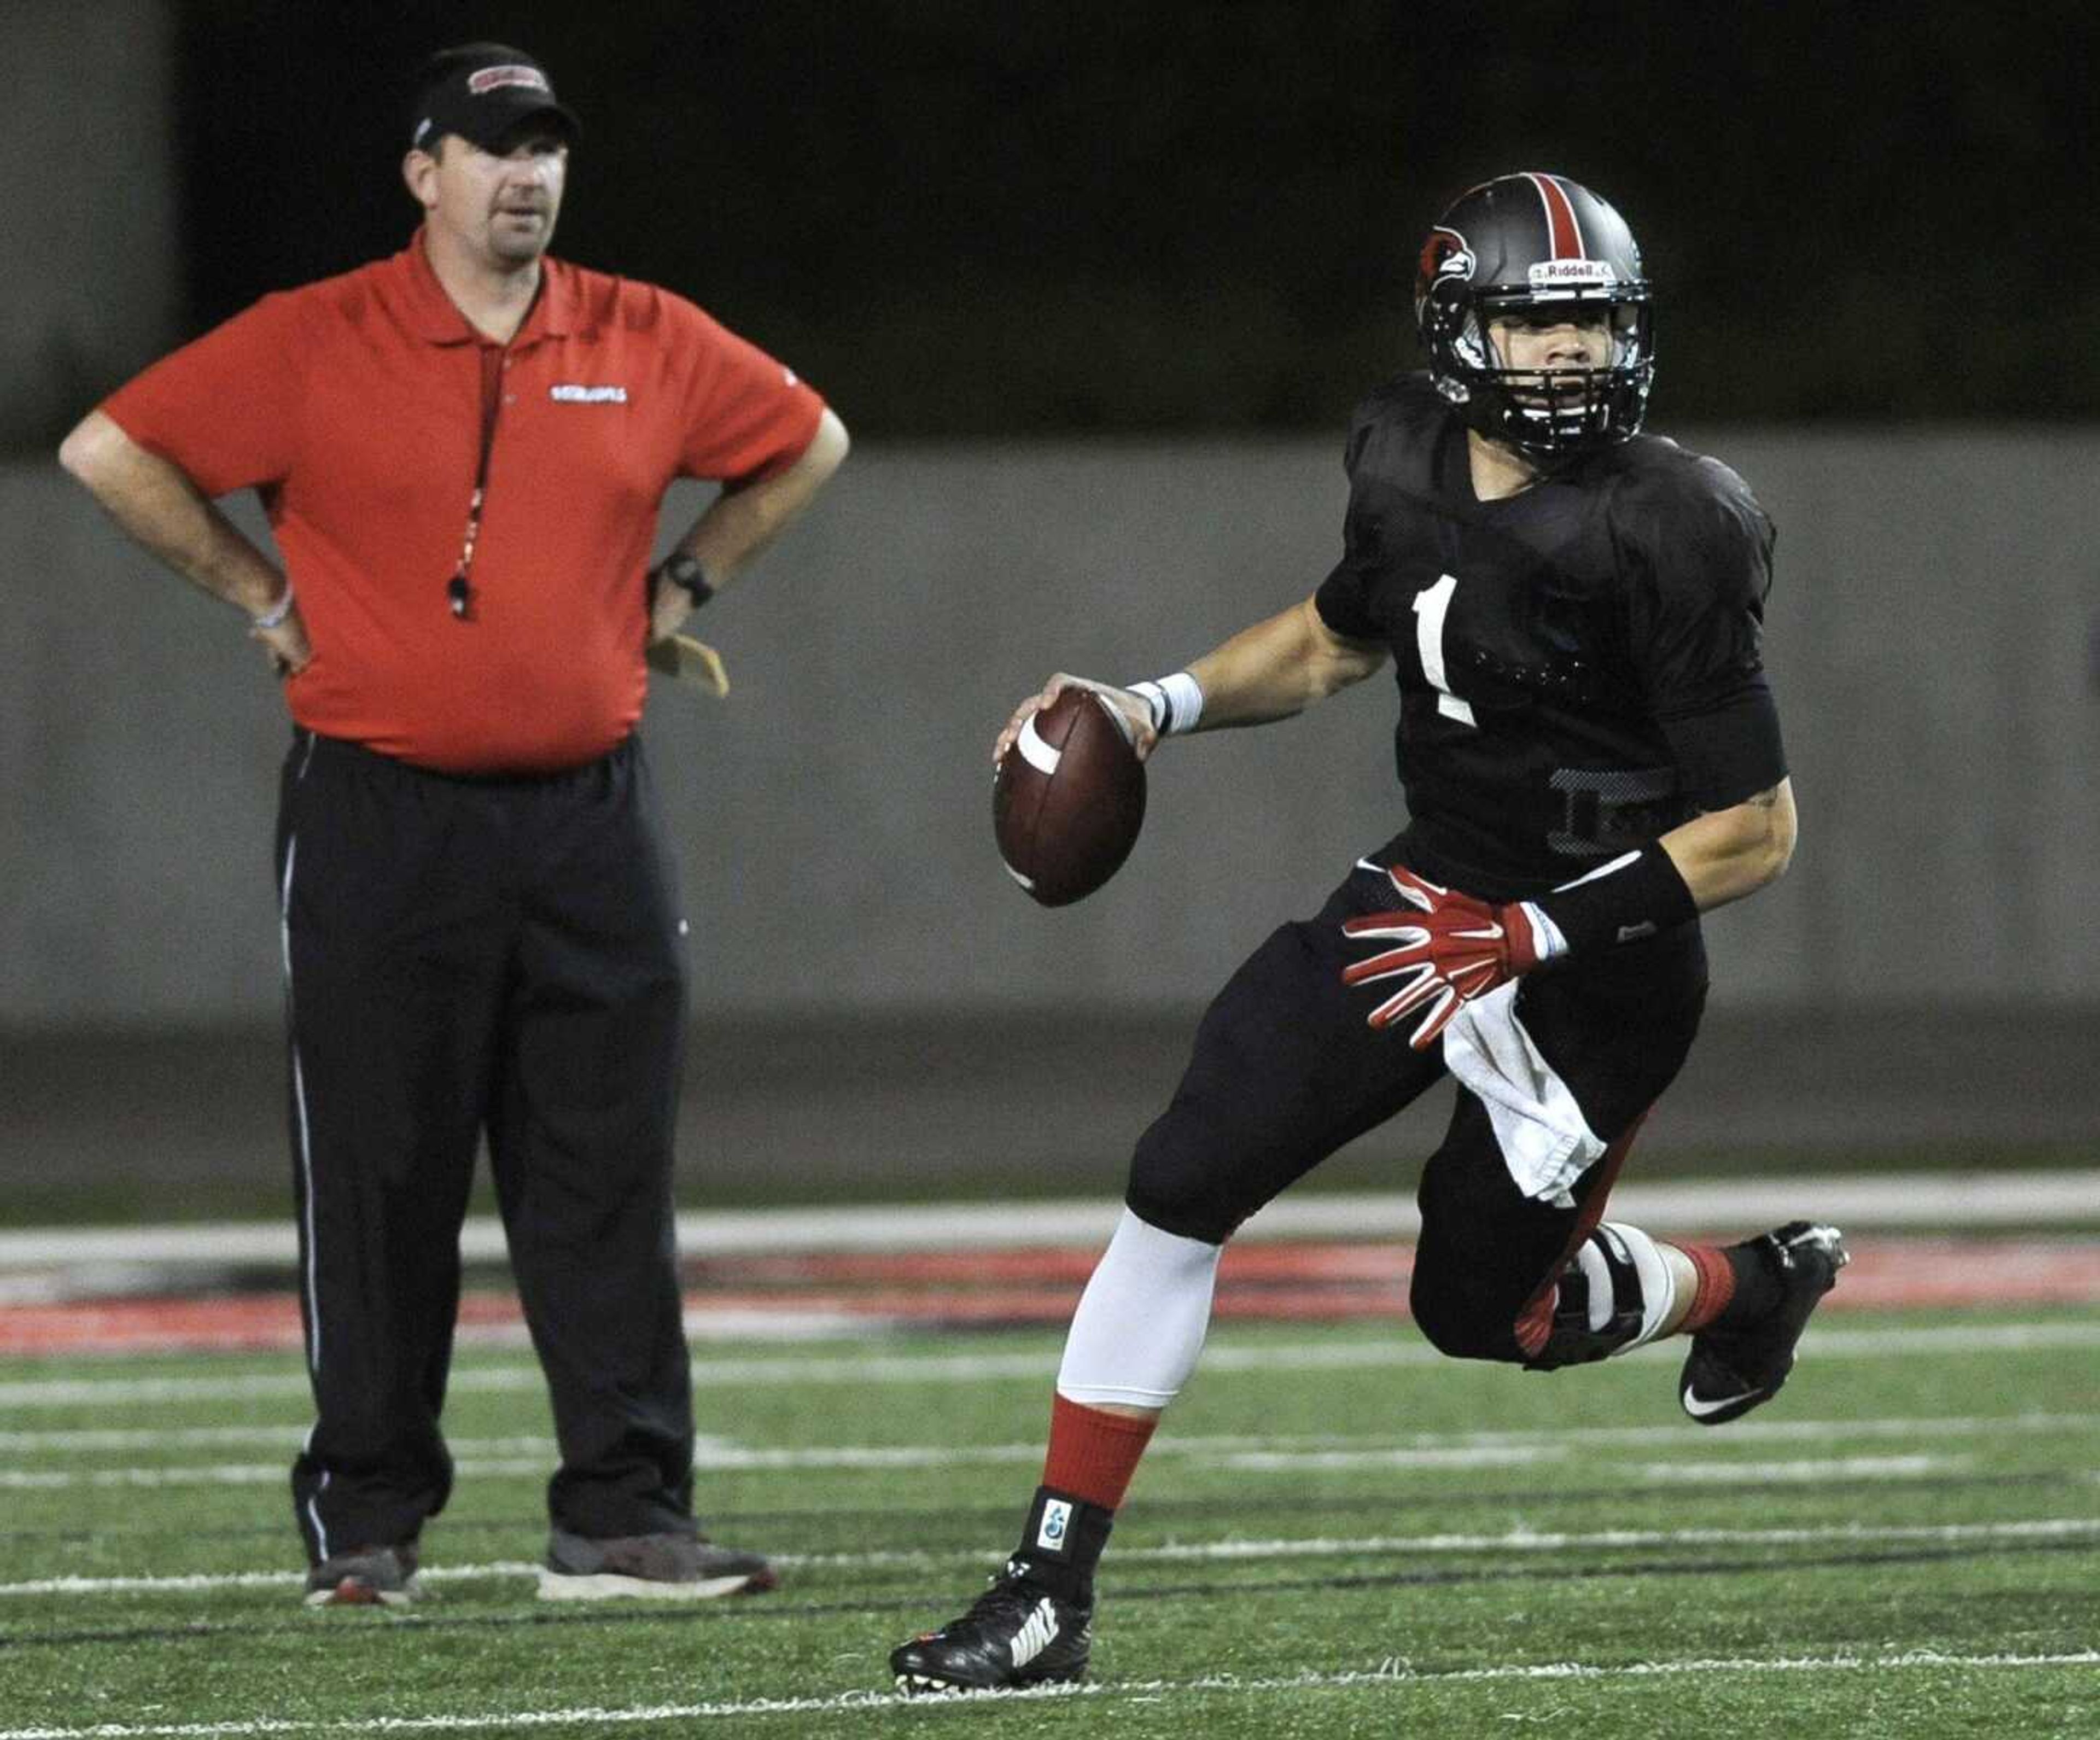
pixel 430 314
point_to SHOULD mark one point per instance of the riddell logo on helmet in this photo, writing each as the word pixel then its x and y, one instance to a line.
pixel 496 78
pixel 1572 272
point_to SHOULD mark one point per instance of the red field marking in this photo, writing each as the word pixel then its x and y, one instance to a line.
pixel 1290 1261
pixel 1307 1282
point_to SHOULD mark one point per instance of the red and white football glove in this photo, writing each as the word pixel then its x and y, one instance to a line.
pixel 1448 949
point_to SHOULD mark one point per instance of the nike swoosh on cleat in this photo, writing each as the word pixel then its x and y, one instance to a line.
pixel 1699 1407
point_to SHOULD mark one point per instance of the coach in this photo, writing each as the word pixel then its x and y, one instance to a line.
pixel 462 451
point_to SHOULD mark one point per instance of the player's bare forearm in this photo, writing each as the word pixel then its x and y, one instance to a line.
pixel 1728 853
pixel 739 523
pixel 1279 668
pixel 160 508
pixel 1271 671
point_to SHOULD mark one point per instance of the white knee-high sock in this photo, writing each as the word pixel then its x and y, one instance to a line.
pixel 1140 1323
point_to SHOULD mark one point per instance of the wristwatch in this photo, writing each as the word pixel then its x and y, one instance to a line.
pixel 685 570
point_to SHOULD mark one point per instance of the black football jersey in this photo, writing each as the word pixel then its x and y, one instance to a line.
pixel 1580 665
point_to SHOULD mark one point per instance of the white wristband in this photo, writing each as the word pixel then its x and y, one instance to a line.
pixel 1547 940
pixel 1176 702
pixel 273 617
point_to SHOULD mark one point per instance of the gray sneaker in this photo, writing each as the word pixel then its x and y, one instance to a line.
pixel 365 1577
pixel 664 1567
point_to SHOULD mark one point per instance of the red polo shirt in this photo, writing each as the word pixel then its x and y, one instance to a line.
pixel 353 406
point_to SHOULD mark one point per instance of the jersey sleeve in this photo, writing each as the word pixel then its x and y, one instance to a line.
pixel 1702 571
pixel 1342 599
pixel 746 416
pixel 224 408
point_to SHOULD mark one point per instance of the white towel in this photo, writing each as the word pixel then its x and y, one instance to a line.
pixel 1546 1143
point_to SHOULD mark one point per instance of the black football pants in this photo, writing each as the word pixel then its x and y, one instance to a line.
pixel 463 956
pixel 1286 1071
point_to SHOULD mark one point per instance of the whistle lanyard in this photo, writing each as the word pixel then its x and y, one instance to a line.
pixel 459 591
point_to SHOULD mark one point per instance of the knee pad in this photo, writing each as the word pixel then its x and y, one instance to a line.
pixel 1612 1297
pixel 1452 1323
pixel 1176 1185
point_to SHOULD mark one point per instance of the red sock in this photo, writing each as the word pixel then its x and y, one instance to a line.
pixel 1716 1288
pixel 1093 1453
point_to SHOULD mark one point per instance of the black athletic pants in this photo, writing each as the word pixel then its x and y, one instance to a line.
pixel 1286 1071
pixel 463 956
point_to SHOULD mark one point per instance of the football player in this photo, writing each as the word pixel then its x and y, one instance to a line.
pixel 1591 758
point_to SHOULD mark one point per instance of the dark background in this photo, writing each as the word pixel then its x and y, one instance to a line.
pixel 1130 228
pixel 963 219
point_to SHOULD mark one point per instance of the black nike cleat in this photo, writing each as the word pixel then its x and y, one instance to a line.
pixel 1729 1372
pixel 1016 1633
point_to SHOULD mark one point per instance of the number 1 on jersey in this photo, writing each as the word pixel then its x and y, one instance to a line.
pixel 1430 607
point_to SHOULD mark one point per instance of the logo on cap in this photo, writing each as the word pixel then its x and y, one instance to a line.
pixel 496 78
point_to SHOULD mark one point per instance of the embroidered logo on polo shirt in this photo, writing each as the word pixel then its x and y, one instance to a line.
pixel 571 393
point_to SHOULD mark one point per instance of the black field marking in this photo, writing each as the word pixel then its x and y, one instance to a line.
pixel 733 1608
pixel 999 1519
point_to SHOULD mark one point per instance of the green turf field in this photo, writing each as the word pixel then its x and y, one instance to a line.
pixel 1337 1534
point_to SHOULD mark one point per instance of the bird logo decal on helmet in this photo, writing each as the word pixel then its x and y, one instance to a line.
pixel 1444 255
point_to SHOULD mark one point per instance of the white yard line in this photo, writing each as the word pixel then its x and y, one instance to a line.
pixel 1402 1349
pixel 1807 1471
pixel 228 1474
pixel 1969 1201
pixel 1393 1675
pixel 1219 1551
pixel 89 1440
pixel 884 1457
pixel 287 1436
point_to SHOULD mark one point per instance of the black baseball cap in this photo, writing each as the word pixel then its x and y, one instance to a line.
pixel 485 92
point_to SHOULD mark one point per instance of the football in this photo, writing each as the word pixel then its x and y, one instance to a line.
pixel 1069 799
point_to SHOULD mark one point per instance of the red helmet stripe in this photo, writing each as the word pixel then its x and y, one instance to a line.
pixel 1562 229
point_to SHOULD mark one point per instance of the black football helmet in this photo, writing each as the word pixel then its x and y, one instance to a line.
pixel 1529 247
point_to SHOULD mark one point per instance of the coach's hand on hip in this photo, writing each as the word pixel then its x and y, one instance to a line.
pixel 678 586
pixel 284 639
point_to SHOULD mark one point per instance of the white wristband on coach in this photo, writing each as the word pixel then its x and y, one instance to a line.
pixel 275 615
pixel 1176 702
